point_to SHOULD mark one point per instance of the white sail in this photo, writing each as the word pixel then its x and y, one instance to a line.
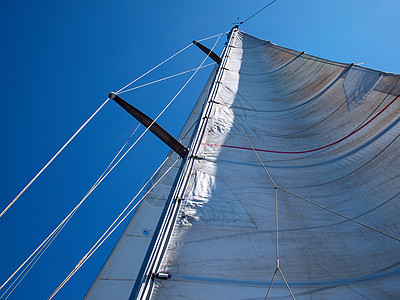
pixel 223 245
pixel 286 128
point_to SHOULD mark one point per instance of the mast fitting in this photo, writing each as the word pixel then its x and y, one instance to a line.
pixel 164 276
pixel 112 95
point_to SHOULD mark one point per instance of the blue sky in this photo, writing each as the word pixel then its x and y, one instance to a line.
pixel 60 60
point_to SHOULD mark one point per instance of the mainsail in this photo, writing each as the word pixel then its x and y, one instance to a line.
pixel 293 166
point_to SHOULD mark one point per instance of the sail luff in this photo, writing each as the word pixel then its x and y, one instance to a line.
pixel 144 283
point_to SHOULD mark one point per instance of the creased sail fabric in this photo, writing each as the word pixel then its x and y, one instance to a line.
pixel 326 131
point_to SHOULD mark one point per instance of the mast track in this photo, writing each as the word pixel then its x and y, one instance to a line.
pixel 146 278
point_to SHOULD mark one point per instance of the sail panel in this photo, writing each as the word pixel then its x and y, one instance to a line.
pixel 295 110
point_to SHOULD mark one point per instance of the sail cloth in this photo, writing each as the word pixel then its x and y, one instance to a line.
pixel 326 131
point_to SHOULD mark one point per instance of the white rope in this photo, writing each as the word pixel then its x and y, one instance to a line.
pixel 270 285
pixel 341 215
pixel 66 219
pixel 57 230
pixel 287 285
pixel 110 229
pixel 278 268
pixel 165 78
pixel 152 69
pixel 250 143
pixel 276 201
pixel 172 100
pixel 255 152
pixel 277 227
pixel 53 158
pixel 213 36
pixel 73 272
pixel 80 129
pixel 120 90
pixel 119 152
pixel 29 266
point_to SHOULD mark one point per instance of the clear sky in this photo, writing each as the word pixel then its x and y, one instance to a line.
pixel 60 60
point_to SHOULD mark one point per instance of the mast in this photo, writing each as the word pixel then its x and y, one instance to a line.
pixel 149 270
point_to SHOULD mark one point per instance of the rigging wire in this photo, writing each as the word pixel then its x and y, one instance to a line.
pixel 85 258
pixel 111 229
pixel 29 266
pixel 66 219
pixel 152 69
pixel 341 215
pixel 309 201
pixel 213 36
pixel 253 15
pixel 42 247
pixel 277 251
pixel 81 128
pixel 250 143
pixel 119 152
pixel 165 78
pixel 276 200
pixel 90 118
pixel 53 158
pixel 132 82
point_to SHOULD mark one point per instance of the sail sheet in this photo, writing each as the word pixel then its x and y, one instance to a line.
pixel 327 132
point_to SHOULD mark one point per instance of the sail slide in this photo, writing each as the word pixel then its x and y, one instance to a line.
pixel 292 151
